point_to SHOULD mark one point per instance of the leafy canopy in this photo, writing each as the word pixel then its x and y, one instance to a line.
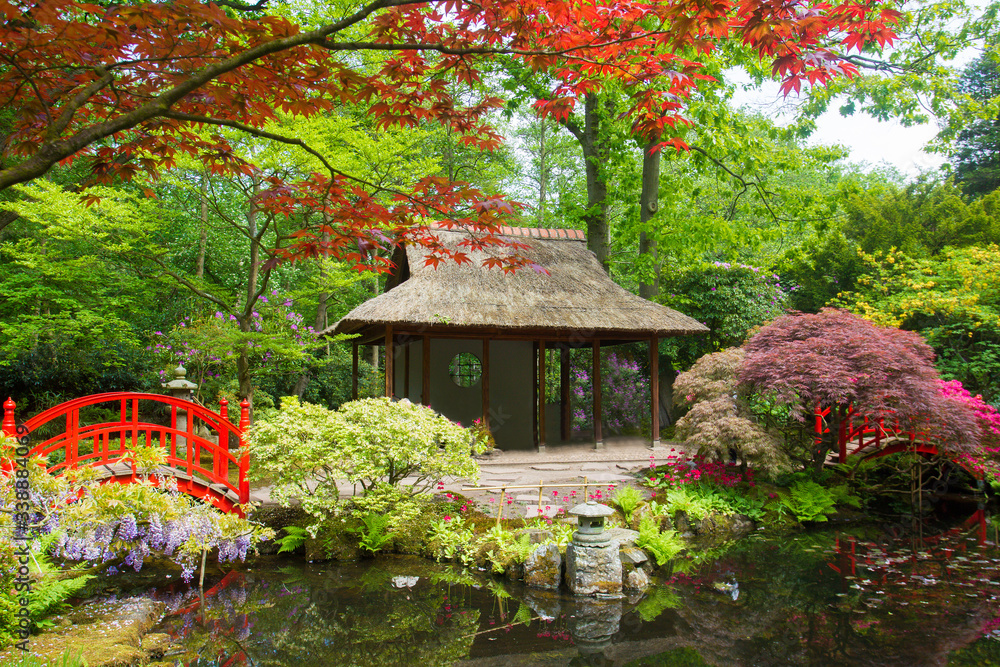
pixel 132 86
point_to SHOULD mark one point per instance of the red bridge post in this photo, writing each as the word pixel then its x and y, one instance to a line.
pixel 9 425
pixel 245 458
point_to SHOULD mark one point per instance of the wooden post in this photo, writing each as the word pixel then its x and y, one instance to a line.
pixel 390 365
pixel 564 403
pixel 542 353
pixel 654 389
pixel 406 372
pixel 486 383
pixel 534 395
pixel 9 425
pixel 245 458
pixel 596 381
pixel 354 374
pixel 425 372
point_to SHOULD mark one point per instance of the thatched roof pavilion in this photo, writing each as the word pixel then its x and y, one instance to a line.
pixel 466 309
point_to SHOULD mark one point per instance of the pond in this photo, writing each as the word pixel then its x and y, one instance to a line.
pixel 871 596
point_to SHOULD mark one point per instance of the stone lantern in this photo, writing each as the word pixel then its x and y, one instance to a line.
pixel 181 387
pixel 593 565
pixel 590 517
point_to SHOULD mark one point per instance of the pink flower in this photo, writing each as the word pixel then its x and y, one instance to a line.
pixel 447 517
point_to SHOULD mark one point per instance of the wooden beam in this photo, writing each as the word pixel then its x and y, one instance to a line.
pixel 390 366
pixel 596 380
pixel 425 372
pixel 534 394
pixel 486 382
pixel 406 371
pixel 565 412
pixel 542 353
pixel 654 389
pixel 354 374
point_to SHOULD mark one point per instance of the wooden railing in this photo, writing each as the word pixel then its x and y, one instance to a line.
pixel 204 451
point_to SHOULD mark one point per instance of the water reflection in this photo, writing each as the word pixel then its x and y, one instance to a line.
pixel 821 598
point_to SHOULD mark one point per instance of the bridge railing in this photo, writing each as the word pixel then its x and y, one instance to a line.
pixel 207 462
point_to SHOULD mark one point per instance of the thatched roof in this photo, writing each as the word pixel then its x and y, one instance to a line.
pixel 576 300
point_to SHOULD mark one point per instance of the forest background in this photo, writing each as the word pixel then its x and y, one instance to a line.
pixel 106 284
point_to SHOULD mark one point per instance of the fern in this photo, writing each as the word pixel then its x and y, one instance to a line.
pixel 373 531
pixel 808 501
pixel 294 538
pixel 54 585
pixel 627 499
pixel 664 546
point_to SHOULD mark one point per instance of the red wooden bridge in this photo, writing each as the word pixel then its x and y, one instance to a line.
pixel 874 438
pixel 205 453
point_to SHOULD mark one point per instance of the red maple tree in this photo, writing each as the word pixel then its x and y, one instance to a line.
pixel 126 84
pixel 838 360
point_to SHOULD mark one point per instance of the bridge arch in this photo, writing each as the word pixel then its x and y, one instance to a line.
pixel 205 452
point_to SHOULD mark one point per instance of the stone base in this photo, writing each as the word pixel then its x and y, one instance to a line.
pixel 593 570
pixel 543 569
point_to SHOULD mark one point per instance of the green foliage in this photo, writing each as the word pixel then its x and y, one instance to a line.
pixel 49 594
pixel 294 538
pixel 67 659
pixel 449 538
pixel 8 598
pixel 305 449
pixel 627 498
pixel 953 300
pixel 658 599
pixel 502 547
pixel 729 298
pixel 373 531
pixel 808 501
pixel 663 545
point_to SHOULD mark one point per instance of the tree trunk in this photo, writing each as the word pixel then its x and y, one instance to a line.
pixel 199 268
pixel 648 205
pixel 595 155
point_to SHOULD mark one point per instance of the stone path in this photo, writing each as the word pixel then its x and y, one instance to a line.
pixel 579 470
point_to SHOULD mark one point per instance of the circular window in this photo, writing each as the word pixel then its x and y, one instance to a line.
pixel 465 369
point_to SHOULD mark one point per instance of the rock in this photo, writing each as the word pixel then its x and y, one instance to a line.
pixel 546 604
pixel 632 555
pixel 637 580
pixel 556 467
pixel 342 548
pixel 543 568
pixel 623 537
pixel 592 626
pixel 724 527
pixel 515 571
pixel 682 524
pixel 155 644
pixel 102 633
pixel 591 570
pixel 535 535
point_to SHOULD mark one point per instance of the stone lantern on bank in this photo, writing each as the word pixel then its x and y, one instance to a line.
pixel 593 565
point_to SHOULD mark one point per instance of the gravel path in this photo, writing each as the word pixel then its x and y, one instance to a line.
pixel 577 468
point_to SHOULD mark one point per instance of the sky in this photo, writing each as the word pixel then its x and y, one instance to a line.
pixel 871 142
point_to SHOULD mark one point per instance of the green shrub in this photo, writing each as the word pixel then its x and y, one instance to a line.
pixel 303 450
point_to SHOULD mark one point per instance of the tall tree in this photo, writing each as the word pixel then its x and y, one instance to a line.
pixel 977 149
